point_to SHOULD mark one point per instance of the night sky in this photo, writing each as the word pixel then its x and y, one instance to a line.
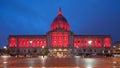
pixel 33 17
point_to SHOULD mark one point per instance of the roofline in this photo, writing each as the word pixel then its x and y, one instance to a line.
pixel 27 35
pixel 94 35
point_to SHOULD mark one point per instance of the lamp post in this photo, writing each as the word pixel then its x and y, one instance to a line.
pixel 5 48
pixel 109 53
pixel 77 50
pixel 30 46
pixel 43 50
pixel 31 42
pixel 90 45
pixel 103 52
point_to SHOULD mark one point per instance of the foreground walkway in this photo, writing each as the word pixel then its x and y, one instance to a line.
pixel 59 62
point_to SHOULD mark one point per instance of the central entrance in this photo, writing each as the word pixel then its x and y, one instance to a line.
pixel 59 52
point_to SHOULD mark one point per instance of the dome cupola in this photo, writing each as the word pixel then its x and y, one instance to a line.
pixel 60 22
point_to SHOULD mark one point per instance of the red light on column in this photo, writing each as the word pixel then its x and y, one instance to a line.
pixel 86 42
pixel 75 43
pixel 37 43
pixel 12 42
pixel 19 42
pixel 44 42
pixel 40 43
pixel 27 43
pixel 98 42
pixel 107 42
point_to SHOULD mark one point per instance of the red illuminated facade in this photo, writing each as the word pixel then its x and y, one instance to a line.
pixel 60 39
pixel 21 41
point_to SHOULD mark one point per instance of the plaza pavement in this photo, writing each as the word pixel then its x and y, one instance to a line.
pixel 59 62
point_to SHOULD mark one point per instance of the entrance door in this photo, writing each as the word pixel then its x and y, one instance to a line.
pixel 59 53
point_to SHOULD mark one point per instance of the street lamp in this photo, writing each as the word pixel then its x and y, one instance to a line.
pixel 77 50
pixel 31 42
pixel 89 42
pixel 5 48
pixel 109 53
pixel 103 52
pixel 42 47
pixel 30 46
pixel 43 50
pixel 114 46
pixel 90 45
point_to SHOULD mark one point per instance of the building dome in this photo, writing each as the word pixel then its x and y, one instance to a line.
pixel 60 22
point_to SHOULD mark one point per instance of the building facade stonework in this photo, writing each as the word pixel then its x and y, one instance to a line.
pixel 60 40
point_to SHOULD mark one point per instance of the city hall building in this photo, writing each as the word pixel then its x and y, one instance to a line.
pixel 60 40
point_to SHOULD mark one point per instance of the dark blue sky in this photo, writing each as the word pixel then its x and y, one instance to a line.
pixel 35 16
